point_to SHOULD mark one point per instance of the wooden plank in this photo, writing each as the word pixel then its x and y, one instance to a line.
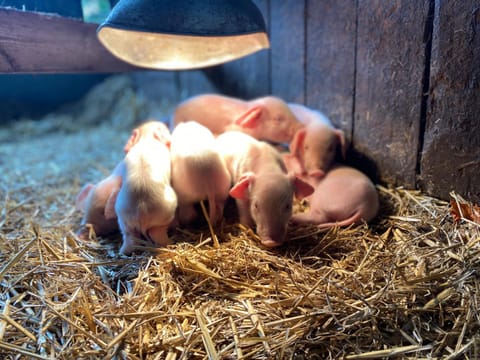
pixel 287 35
pixel 451 151
pixel 248 77
pixel 40 43
pixel 388 93
pixel 330 56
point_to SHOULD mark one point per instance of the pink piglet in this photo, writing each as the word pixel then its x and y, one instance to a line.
pixel 262 188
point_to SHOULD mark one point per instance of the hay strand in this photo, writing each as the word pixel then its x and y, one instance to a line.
pixel 207 340
pixel 19 350
pixel 210 227
pixel 16 258
pixel 387 352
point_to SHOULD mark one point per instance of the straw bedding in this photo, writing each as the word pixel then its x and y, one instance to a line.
pixel 404 286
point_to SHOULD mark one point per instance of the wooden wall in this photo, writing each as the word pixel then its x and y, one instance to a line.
pixel 401 78
pixel 451 141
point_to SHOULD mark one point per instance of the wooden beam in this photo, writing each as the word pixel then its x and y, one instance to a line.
pixel 45 43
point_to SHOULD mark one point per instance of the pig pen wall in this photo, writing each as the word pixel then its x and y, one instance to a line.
pixel 401 78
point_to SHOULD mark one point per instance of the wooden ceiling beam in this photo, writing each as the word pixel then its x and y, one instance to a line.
pixel 33 42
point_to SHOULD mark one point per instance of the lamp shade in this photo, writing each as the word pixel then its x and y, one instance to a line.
pixel 183 34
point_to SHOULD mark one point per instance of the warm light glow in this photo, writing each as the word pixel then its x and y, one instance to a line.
pixel 178 52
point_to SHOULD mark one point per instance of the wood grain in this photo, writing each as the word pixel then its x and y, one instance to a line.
pixel 287 34
pixel 248 77
pixel 389 81
pixel 40 43
pixel 451 151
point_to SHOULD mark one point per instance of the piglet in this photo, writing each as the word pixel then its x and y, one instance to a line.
pixel 262 187
pixel 306 115
pixel 198 172
pixel 314 148
pixel 266 118
pixel 270 119
pixel 145 204
pixel 342 197
pixel 148 129
pixel 96 201
pixel 92 201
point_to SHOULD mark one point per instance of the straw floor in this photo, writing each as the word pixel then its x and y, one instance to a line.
pixel 405 286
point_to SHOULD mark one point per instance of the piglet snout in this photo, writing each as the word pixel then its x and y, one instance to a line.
pixel 270 243
pixel 272 239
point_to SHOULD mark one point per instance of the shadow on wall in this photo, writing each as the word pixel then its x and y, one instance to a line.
pixel 364 163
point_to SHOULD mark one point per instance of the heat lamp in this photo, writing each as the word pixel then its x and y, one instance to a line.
pixel 183 34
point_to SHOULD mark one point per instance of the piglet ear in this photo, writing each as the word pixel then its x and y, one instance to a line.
pixel 297 141
pixel 292 163
pixel 251 118
pixel 162 134
pixel 302 188
pixel 132 140
pixel 240 189
pixel 80 201
pixel 109 211
pixel 163 138
pixel 340 135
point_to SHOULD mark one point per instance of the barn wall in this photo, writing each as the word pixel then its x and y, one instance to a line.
pixel 401 78
pixel 388 89
pixel 451 146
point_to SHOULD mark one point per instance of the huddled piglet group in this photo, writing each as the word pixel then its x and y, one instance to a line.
pixel 220 147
